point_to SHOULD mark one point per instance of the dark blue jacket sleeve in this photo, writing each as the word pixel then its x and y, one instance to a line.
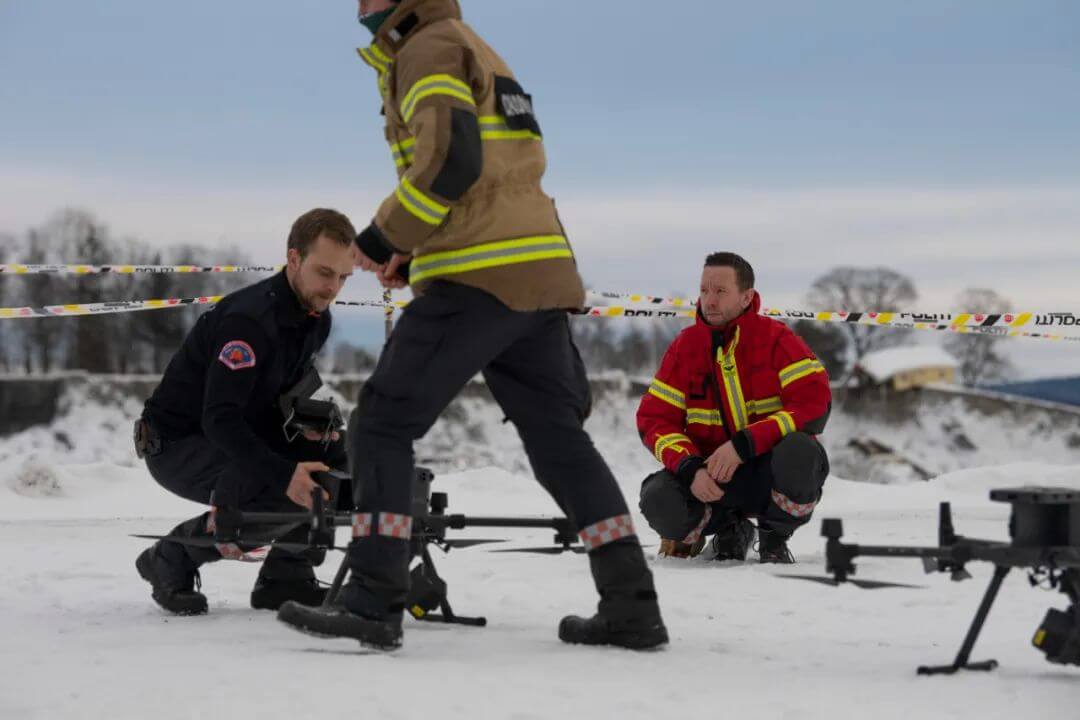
pixel 231 378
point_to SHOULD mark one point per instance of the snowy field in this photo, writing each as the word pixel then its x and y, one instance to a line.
pixel 81 637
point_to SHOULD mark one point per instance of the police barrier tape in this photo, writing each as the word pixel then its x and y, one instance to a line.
pixel 647 299
pixel 126 306
pixel 16 269
pixel 1003 324
pixel 1009 321
pixel 1032 324
pixel 102 308
pixel 895 320
pixel 1014 324
pixel 1006 320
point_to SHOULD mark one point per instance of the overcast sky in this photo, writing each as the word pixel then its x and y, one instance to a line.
pixel 937 137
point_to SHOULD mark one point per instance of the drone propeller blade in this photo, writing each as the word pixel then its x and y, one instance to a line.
pixel 470 542
pixel 864 584
pixel 209 542
pixel 550 550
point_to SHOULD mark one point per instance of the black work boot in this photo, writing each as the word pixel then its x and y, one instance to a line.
pixel 271 594
pixel 175 583
pixel 732 541
pixel 627 614
pixel 172 568
pixel 356 613
pixel 772 547
pixel 338 622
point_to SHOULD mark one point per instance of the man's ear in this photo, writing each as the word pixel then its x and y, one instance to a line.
pixel 293 257
pixel 747 298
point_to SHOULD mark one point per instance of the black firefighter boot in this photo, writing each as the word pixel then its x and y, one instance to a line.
pixel 172 569
pixel 271 593
pixel 733 538
pixel 288 576
pixel 627 615
pixel 772 546
pixel 361 611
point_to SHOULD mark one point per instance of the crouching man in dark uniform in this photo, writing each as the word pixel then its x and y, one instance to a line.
pixel 213 432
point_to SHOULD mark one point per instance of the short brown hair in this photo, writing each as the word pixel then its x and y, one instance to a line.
pixel 320 221
pixel 744 274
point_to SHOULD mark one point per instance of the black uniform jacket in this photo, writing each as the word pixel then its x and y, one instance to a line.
pixel 228 375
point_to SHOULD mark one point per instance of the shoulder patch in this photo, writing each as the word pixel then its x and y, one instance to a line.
pixel 237 355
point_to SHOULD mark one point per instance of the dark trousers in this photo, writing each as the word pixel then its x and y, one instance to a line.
pixel 778 487
pixel 533 370
pixel 193 467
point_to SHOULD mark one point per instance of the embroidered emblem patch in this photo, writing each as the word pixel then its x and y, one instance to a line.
pixel 237 355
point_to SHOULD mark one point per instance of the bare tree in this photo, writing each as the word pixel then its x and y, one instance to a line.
pixel 43 348
pixel 980 357
pixel 853 289
pixel 74 236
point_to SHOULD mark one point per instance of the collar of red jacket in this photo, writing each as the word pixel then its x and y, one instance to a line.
pixel 410 16
pixel 747 316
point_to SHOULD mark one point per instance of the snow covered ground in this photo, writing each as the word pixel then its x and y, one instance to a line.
pixel 81 637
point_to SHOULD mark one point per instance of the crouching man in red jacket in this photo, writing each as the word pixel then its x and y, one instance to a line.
pixel 733 415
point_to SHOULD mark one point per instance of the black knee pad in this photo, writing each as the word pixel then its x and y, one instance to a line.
pixel 659 492
pixel 666 505
pixel 799 467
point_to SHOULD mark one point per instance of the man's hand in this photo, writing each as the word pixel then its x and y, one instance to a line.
pixel 302 485
pixel 704 488
pixel 316 436
pixel 363 262
pixel 723 463
pixel 388 274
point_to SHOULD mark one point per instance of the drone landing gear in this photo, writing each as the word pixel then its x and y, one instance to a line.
pixel 961 661
pixel 427 592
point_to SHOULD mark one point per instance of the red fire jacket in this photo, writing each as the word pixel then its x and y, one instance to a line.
pixel 752 382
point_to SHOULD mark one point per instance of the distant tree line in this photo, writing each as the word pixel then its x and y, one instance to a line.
pixel 143 342
pixel 138 342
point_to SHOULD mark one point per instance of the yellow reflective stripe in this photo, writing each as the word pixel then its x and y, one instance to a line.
pixel 797 366
pixel 799 370
pixel 666 442
pixel 670 395
pixel 440 84
pixel 478 257
pixel 377 52
pixel 420 204
pixel 375 58
pixel 403 152
pixel 703 416
pixel 764 406
pixel 732 385
pixel 494 127
pixel 785 421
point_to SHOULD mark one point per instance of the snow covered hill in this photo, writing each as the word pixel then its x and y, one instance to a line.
pixel 911 437
pixel 82 638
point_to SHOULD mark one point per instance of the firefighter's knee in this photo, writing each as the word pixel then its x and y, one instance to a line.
pixel 799 467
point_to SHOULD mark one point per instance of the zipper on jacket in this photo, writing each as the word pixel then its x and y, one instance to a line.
pixel 729 423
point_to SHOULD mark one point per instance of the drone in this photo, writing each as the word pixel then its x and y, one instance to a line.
pixel 234 530
pixel 1044 527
